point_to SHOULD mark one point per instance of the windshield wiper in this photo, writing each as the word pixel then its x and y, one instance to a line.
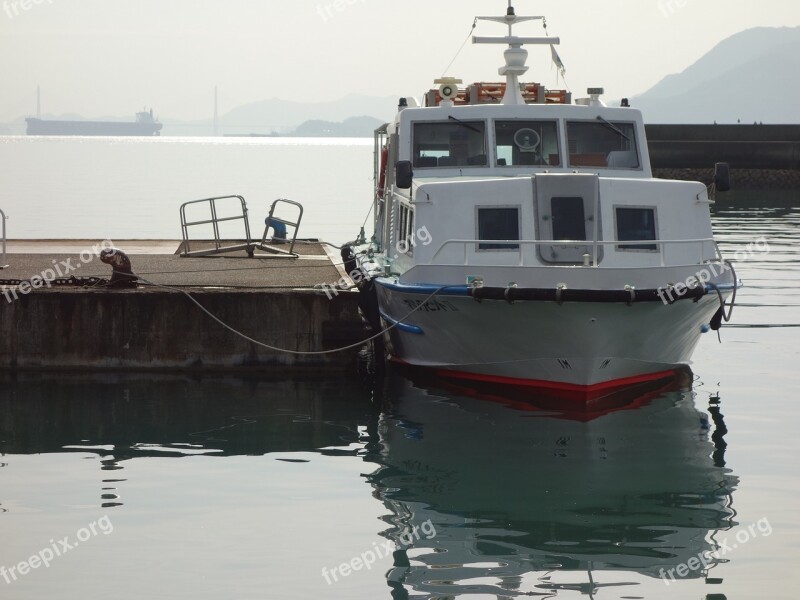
pixel 467 125
pixel 612 127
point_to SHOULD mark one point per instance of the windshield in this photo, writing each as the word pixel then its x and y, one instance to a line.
pixel 453 143
pixel 526 143
pixel 602 144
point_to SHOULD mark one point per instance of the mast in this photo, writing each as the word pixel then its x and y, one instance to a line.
pixel 38 102
pixel 516 56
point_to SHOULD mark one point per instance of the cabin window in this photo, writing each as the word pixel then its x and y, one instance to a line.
pixel 498 224
pixel 527 143
pixel 450 144
pixel 569 219
pixel 602 144
pixel 636 224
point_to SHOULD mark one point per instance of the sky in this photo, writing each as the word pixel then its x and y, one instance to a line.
pixel 114 57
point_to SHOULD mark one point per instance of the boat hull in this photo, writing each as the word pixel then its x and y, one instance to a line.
pixel 583 348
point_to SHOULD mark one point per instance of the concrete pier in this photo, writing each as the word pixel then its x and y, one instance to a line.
pixel 268 298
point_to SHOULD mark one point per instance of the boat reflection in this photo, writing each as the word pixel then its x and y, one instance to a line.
pixel 509 497
pixel 529 501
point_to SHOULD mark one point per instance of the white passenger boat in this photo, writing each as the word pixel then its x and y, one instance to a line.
pixel 520 238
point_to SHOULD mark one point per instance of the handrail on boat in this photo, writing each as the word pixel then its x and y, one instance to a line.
pixel 520 243
pixel 3 218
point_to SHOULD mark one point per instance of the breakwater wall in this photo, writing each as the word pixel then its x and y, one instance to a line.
pixel 152 329
pixel 760 156
pixel 742 179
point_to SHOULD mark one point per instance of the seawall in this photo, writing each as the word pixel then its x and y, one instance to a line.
pixel 156 326
pixel 760 156
pixel 156 329
pixel 742 179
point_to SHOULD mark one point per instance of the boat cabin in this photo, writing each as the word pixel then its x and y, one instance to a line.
pixel 479 141
pixel 535 184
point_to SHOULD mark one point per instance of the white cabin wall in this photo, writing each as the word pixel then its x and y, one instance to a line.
pixel 679 215
pixel 448 210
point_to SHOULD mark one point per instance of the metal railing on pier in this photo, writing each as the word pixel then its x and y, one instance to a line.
pixel 235 209
pixel 280 227
pixel 214 221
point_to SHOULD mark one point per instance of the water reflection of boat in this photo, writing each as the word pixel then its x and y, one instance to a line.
pixel 515 495
pixel 559 404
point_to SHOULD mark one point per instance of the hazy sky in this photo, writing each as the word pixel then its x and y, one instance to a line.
pixel 112 57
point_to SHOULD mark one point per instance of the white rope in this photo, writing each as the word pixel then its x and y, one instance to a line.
pixel 284 350
pixel 471 29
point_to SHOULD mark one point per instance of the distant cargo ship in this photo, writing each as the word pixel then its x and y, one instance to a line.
pixel 145 125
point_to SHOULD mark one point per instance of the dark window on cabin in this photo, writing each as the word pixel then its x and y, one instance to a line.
pixel 569 218
pixel 527 143
pixel 500 224
pixel 636 224
pixel 602 144
pixel 450 144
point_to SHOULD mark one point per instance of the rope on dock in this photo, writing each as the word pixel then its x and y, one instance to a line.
pixel 284 350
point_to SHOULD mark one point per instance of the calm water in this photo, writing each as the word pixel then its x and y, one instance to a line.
pixel 173 487
pixel 132 188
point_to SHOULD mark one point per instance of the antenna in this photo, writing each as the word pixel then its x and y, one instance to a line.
pixel 516 56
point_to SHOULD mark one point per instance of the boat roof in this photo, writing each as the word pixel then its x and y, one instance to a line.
pixel 535 111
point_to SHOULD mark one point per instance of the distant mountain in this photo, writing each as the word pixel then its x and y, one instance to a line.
pixel 285 114
pixel 282 117
pixel 352 127
pixel 268 117
pixel 749 77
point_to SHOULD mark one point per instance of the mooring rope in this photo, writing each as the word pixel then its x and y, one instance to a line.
pixel 285 350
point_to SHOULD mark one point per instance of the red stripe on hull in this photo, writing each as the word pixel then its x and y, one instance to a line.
pixel 587 392
pixel 554 389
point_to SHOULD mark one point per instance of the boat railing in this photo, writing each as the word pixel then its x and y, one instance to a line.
pixel 238 212
pixel 3 218
pixel 591 261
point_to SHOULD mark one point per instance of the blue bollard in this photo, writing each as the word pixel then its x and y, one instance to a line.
pixel 279 230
